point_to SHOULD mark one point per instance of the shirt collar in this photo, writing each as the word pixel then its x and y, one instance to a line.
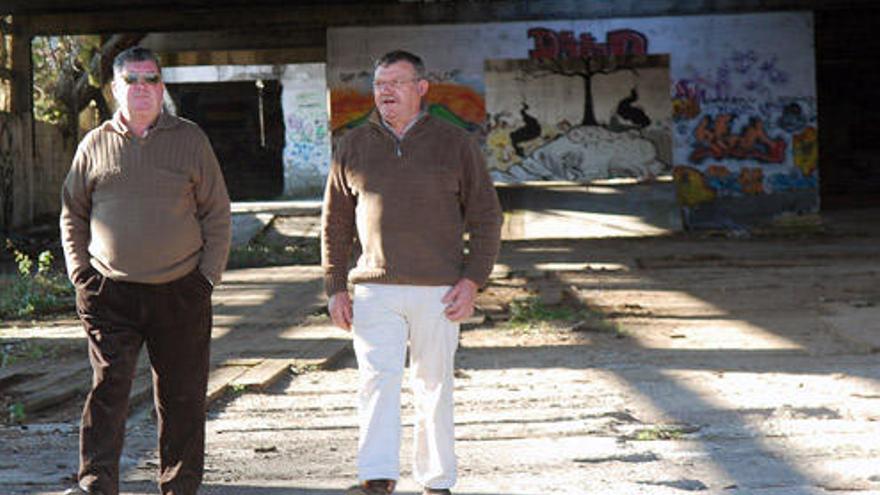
pixel 409 126
pixel 162 121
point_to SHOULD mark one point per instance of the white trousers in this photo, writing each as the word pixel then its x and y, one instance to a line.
pixel 385 318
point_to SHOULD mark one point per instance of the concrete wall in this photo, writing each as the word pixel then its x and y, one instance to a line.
pixel 304 103
pixel 742 91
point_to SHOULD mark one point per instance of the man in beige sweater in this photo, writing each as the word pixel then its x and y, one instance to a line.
pixel 145 227
pixel 409 186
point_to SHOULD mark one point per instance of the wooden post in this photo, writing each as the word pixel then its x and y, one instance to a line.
pixel 22 113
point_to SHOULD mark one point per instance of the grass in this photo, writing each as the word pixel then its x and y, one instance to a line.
pixel 257 254
pixel 25 351
pixel 531 313
pixel 524 312
pixel 16 413
pixel 34 291
pixel 662 432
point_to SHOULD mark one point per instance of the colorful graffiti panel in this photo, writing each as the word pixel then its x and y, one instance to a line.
pixel 733 127
pixel 765 147
pixel 306 152
pixel 452 100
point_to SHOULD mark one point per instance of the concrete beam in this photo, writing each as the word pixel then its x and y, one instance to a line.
pixel 304 55
pixel 272 37
pixel 79 17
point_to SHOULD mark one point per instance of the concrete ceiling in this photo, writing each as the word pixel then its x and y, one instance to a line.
pixel 284 31
pixel 105 16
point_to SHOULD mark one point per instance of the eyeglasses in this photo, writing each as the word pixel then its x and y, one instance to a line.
pixel 148 78
pixel 392 84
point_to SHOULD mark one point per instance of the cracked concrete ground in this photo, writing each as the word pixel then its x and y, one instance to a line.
pixel 720 366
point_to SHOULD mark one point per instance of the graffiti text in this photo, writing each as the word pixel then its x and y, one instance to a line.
pixel 714 139
pixel 563 44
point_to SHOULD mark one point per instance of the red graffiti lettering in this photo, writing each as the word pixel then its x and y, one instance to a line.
pixel 589 47
pixel 568 45
pixel 627 42
pixel 546 43
pixel 564 44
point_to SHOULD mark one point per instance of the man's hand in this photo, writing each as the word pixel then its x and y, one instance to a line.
pixel 460 300
pixel 339 307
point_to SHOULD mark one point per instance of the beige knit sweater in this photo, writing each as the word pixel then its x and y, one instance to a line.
pixel 148 209
pixel 409 201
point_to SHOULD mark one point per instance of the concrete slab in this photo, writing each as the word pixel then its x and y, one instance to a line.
pixel 857 321
pixel 245 226
pixel 288 208
pixel 613 208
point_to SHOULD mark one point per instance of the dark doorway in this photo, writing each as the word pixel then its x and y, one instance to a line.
pixel 849 123
pixel 246 126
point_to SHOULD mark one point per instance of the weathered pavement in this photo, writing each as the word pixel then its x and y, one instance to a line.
pixel 723 366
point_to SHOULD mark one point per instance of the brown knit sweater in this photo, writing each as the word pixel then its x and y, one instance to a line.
pixel 409 201
pixel 148 209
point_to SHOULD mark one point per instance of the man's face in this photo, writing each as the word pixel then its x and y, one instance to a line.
pixel 398 92
pixel 138 90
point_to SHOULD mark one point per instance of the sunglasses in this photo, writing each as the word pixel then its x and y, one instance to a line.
pixel 149 78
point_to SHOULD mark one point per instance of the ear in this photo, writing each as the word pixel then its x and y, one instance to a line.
pixel 423 87
pixel 114 88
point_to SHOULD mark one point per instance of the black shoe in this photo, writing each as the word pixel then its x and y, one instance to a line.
pixel 436 491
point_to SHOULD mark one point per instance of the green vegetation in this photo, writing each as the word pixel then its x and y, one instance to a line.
pixel 257 254
pixel 34 290
pixel 24 351
pixel 532 313
pixel 237 389
pixel 16 413
pixel 525 312
pixel 661 432
pixel 66 79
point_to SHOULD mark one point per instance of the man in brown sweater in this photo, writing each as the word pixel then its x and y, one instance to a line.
pixel 409 186
pixel 145 226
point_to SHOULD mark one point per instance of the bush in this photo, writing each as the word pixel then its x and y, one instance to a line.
pixel 34 291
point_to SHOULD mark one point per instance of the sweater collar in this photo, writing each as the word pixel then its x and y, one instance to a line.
pixel 377 119
pixel 164 121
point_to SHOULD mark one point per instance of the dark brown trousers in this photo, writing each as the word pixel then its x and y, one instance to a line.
pixel 174 320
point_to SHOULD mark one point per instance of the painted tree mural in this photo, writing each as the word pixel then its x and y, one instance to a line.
pixel 584 68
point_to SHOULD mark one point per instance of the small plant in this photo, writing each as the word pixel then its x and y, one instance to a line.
pixel 532 310
pixel 33 291
pixel 661 432
pixel 238 389
pixel 7 357
pixel 24 351
pixel 16 413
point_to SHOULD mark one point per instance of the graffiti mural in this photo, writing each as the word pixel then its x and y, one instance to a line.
pixel 555 45
pixel 448 97
pixel 737 131
pixel 715 138
pixel 741 133
pixel 578 119
pixel 306 152
pixel 732 112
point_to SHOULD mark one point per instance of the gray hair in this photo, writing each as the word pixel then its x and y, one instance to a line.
pixel 402 56
pixel 134 54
